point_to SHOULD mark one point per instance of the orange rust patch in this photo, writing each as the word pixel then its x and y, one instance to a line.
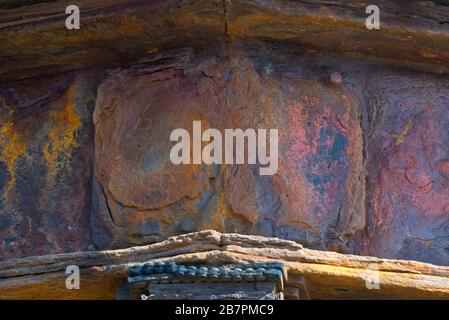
pixel 218 217
pixel 14 146
pixel 61 138
pixel 428 53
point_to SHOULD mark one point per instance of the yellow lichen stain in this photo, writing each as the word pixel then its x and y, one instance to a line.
pixel 13 146
pixel 131 26
pixel 401 137
pixel 61 139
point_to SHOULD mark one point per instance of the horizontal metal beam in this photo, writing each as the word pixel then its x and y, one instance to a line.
pixel 34 40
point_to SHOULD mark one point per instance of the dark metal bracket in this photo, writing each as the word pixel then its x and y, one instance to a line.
pixel 250 281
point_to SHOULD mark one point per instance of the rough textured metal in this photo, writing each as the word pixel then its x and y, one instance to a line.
pixel 162 272
pixel 325 275
pixel 363 144
pixel 228 281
